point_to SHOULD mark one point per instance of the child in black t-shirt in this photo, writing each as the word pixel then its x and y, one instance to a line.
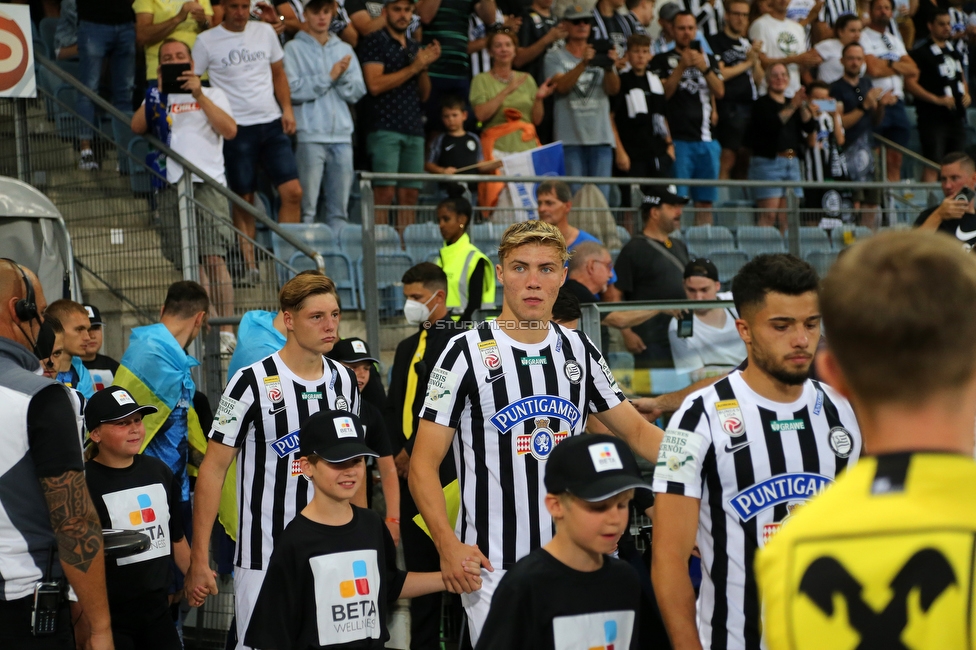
pixel 135 492
pixel 333 574
pixel 569 593
pixel 644 146
pixel 456 148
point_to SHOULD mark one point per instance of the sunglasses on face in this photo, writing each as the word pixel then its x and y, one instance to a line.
pixel 579 21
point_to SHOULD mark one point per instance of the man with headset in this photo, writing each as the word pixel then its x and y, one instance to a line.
pixel 46 512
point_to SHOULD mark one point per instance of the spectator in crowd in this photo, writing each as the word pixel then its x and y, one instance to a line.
pixel 738 62
pixel 155 369
pixel 324 79
pixel 823 157
pixel 50 349
pixel 244 59
pixel 922 15
pixel 555 203
pixel 120 479
pixel 566 309
pixel 478 38
pixel 888 66
pixel 777 133
pixel 848 29
pixel 260 334
pixel 955 215
pixel 962 30
pixel 470 274
pixel 46 509
pixel 66 35
pixel 715 342
pixel 827 23
pixel 157 22
pixel 692 85
pixel 644 145
pixel 665 19
pixel 425 289
pixel 864 106
pixel 709 14
pixel 395 69
pixel 572 583
pixel 651 267
pixel 641 13
pixel 106 38
pixel 328 533
pixel 539 33
pixel 196 124
pixel 293 13
pixel 101 367
pixel 455 148
pixel 266 402
pixel 368 17
pixel 556 367
pixel 581 111
pixel 446 25
pixel 74 321
pixel 610 29
pixel 501 89
pixel 941 93
pixel 353 353
pixel 783 41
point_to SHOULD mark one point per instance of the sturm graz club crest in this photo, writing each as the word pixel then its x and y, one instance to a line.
pixel 540 442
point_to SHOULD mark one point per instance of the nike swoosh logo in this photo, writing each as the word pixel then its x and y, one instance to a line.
pixel 448 147
pixel 276 411
pixel 491 380
pixel 742 445
pixel 963 235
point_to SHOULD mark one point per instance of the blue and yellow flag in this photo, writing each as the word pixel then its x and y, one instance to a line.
pixel 156 370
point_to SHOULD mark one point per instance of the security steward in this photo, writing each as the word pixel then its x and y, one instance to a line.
pixel 893 539
pixel 50 536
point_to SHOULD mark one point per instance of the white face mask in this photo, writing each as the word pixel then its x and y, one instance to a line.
pixel 416 312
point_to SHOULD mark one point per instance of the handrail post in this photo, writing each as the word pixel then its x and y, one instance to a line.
pixel 21 141
pixel 884 177
pixel 793 221
pixel 371 302
pixel 190 252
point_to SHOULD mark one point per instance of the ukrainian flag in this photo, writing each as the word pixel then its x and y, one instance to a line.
pixel 155 370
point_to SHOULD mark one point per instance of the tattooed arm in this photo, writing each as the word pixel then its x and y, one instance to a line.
pixel 79 534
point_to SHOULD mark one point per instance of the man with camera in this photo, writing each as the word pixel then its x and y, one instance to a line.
pixel 194 120
pixel 955 215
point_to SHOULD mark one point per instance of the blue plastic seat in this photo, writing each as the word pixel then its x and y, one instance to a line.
pixel 704 239
pixel 341 271
pixel 422 240
pixel 821 260
pixel 728 263
pixel 390 268
pixel 756 240
pixel 813 239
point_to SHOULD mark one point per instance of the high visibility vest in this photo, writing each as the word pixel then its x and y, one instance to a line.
pixel 458 261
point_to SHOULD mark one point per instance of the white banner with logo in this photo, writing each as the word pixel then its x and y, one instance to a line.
pixel 16 52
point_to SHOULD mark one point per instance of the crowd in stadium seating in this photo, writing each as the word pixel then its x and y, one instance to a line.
pixel 319 90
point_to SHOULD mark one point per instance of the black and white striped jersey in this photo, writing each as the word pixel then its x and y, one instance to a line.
pixel 834 9
pixel 511 403
pixel 260 413
pixel 751 462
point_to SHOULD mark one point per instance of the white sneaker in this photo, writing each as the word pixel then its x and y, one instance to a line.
pixel 88 162
pixel 228 342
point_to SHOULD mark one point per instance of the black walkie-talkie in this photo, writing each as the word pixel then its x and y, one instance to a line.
pixel 47 603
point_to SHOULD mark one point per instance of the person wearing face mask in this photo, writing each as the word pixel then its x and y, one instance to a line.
pixel 425 287
pixel 470 281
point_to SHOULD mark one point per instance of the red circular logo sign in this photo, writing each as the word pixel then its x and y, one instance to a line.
pixel 492 360
pixel 13 53
pixel 274 394
pixel 732 425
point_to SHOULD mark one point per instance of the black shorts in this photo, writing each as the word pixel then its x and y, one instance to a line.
pixel 733 122
pixel 940 138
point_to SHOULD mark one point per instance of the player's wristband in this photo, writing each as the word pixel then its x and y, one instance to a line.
pixel 393 520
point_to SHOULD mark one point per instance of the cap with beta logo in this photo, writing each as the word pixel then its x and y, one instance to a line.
pixel 592 467
pixel 335 436
pixel 111 404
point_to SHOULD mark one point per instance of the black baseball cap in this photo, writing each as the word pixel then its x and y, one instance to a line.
pixel 94 315
pixel 661 194
pixel 351 350
pixel 592 467
pixel 701 268
pixel 111 404
pixel 335 436
pixel 669 10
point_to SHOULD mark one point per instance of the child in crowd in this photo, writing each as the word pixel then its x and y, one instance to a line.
pixel 455 148
pixel 824 161
pixel 354 354
pixel 132 491
pixel 333 572
pixel 569 593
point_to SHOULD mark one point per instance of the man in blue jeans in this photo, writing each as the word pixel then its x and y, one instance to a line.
pixel 692 85
pixel 106 30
